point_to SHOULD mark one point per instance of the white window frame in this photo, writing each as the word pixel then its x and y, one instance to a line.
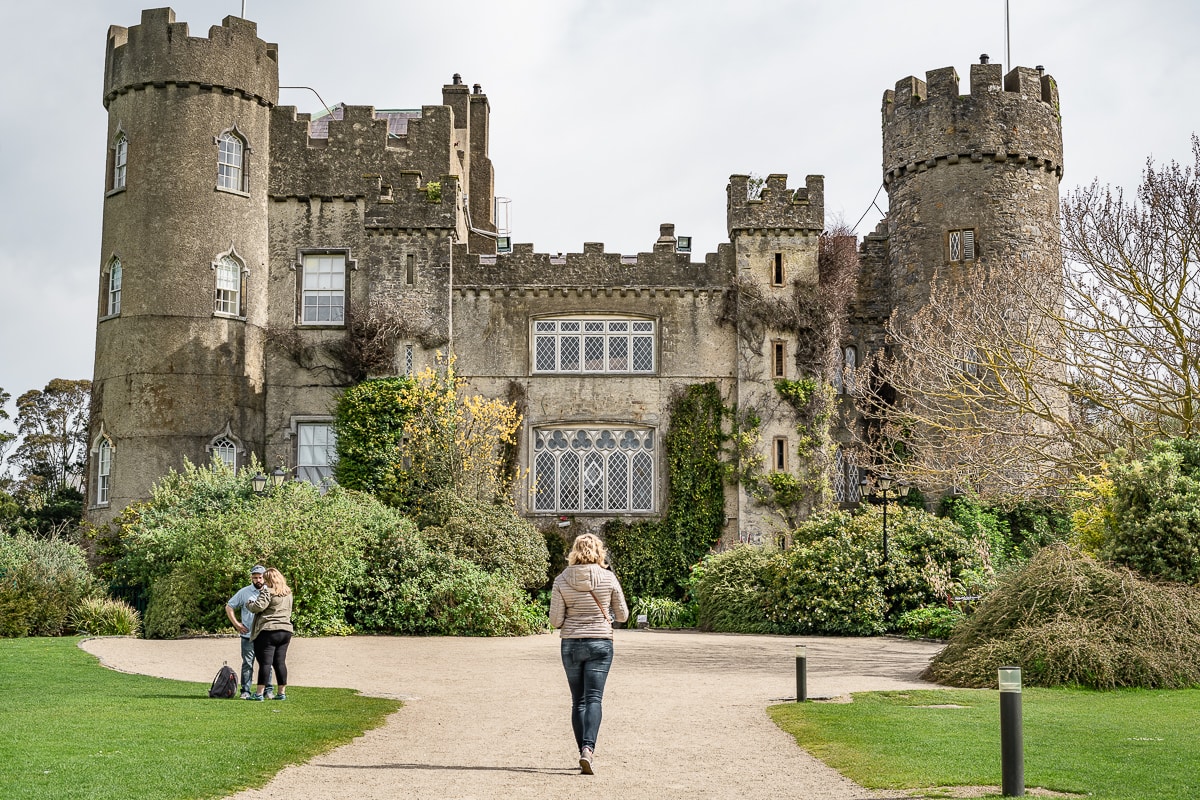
pixel 232 149
pixel 228 272
pixel 227 447
pixel 594 345
pixel 115 279
pixel 323 283
pixel 120 161
pixel 103 472
pixel 600 469
pixel 316 450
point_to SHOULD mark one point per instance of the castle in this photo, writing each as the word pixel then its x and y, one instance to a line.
pixel 246 246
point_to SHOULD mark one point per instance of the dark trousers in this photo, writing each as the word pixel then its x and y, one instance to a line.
pixel 586 662
pixel 248 664
pixel 270 648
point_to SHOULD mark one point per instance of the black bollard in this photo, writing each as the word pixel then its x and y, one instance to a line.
pixel 1012 749
pixel 801 674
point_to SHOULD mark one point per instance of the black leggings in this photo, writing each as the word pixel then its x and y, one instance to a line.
pixel 270 648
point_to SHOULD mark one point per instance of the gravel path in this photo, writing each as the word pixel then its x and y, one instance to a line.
pixel 684 714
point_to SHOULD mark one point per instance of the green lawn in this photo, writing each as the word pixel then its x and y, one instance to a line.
pixel 1120 745
pixel 70 728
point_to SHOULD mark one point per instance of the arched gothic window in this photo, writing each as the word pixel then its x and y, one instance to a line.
pixel 231 162
pixel 120 159
pixel 112 306
pixel 228 296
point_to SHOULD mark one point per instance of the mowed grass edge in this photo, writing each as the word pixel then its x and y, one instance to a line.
pixel 1119 745
pixel 70 728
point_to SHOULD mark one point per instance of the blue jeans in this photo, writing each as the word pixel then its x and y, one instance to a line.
pixel 248 666
pixel 586 662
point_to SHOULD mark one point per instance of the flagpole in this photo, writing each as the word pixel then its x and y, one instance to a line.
pixel 1007 39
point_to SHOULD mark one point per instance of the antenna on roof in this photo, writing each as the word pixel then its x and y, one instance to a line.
pixel 243 9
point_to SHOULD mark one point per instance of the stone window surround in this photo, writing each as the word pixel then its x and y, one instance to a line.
pixel 244 277
pixel 964 239
pixel 118 163
pixel 779 454
pixel 647 453
pixel 106 293
pixel 350 265
pixel 102 451
pixel 239 449
pixel 592 316
pixel 242 187
pixel 295 424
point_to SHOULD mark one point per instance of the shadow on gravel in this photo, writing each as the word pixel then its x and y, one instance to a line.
pixel 456 767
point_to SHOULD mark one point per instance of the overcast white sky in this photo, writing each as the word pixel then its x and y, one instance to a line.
pixel 608 116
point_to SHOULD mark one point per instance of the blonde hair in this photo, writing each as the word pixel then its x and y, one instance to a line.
pixel 274 579
pixel 587 549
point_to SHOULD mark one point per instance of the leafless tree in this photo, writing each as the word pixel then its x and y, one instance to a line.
pixel 1015 378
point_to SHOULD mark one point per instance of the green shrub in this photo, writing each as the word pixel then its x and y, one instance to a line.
pixel 42 580
pixel 1067 619
pixel 662 612
pixel 411 589
pixel 191 544
pixel 370 418
pixel 491 535
pixel 930 622
pixel 731 590
pixel 834 579
pixel 1156 513
pixel 1014 532
pixel 103 616
pixel 829 583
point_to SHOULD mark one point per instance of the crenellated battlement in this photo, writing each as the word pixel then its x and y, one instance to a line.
pixel 523 269
pixel 1004 118
pixel 159 52
pixel 360 144
pixel 776 207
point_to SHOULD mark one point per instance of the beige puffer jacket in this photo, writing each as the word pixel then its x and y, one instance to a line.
pixel 574 611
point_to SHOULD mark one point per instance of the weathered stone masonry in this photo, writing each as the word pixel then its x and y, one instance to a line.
pixel 594 343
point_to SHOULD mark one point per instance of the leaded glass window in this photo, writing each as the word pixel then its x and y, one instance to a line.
pixel 593 345
pixel 593 469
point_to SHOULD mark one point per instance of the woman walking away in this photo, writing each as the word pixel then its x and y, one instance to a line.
pixel 272 632
pixel 586 599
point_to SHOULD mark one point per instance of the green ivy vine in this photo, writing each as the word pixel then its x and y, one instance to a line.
pixel 654 559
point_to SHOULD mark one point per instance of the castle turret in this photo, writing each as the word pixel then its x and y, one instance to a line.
pixel 775 233
pixel 183 289
pixel 972 179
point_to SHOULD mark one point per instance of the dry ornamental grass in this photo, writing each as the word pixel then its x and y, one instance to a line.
pixel 1067 619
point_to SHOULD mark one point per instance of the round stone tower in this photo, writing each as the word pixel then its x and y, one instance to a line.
pixel 972 179
pixel 183 289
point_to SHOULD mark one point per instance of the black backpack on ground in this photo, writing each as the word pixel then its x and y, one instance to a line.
pixel 225 684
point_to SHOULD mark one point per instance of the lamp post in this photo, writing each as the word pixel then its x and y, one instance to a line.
pixel 886 493
pixel 259 482
pixel 278 476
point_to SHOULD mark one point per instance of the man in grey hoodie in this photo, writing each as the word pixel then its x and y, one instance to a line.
pixel 583 604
